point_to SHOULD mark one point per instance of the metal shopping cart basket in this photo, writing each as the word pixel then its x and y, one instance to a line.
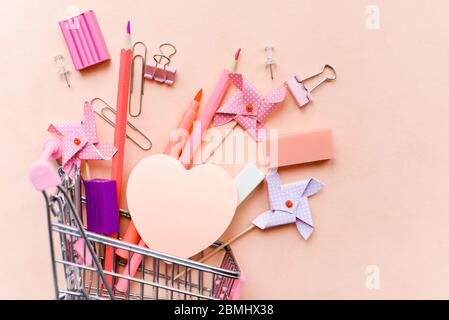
pixel 77 255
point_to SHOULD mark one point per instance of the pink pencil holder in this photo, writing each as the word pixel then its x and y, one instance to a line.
pixel 84 40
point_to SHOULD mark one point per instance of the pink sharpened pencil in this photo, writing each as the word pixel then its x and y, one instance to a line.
pixel 120 133
pixel 208 113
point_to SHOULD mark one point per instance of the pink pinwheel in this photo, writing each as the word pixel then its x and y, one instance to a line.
pixel 79 140
pixel 289 204
pixel 248 107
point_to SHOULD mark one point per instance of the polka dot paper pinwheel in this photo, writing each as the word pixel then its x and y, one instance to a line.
pixel 289 204
pixel 248 107
pixel 79 140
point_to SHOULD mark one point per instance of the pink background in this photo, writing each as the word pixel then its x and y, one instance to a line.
pixel 384 201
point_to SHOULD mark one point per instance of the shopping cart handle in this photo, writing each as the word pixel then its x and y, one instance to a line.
pixel 42 174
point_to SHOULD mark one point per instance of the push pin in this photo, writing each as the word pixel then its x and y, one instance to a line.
pixel 59 60
pixel 270 61
pixel 298 90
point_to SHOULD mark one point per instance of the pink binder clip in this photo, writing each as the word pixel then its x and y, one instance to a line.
pixel 84 40
pixel 160 69
pixel 299 91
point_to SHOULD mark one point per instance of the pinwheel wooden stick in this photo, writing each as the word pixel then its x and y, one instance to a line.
pixel 229 129
pixel 219 248
pixel 87 167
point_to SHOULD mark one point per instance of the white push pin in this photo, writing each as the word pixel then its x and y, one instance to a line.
pixel 270 61
pixel 59 59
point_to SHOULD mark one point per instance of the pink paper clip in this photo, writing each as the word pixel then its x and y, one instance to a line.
pixel 160 69
pixel 299 91
pixel 84 40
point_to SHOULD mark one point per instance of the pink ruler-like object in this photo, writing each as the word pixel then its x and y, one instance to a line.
pixel 84 40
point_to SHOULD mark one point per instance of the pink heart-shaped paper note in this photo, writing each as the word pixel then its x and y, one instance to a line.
pixel 179 211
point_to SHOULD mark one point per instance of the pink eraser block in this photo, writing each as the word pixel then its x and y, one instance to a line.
pixel 298 91
pixel 84 40
pixel 299 147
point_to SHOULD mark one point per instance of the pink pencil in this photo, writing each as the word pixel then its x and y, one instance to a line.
pixel 207 114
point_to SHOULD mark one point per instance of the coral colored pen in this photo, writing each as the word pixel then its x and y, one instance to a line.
pixel 182 131
pixel 120 133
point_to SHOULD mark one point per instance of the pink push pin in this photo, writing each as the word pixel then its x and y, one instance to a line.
pixel 299 91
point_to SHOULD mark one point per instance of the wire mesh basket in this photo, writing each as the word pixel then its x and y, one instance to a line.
pixel 77 257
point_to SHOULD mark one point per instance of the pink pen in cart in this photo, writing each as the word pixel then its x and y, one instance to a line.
pixel 84 39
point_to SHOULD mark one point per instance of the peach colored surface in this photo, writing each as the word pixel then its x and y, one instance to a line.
pixel 384 203
pixel 188 213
